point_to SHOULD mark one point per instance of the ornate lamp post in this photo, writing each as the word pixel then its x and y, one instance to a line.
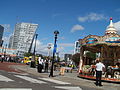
pixel 54 51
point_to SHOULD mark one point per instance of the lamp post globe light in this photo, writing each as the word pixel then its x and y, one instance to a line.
pixel 49 47
pixel 54 51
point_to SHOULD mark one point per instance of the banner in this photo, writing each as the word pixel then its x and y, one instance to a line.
pixel 55 48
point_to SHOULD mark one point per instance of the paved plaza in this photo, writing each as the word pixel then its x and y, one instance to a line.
pixel 67 77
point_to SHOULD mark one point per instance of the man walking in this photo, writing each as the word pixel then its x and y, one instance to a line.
pixel 99 68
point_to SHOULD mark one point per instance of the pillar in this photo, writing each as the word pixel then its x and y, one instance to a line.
pixel 81 60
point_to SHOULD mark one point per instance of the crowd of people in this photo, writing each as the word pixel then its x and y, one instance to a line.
pixel 44 65
pixel 8 59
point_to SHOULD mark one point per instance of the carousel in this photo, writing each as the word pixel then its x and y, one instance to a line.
pixel 107 48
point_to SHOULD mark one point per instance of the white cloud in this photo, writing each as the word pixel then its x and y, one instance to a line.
pixel 117 10
pixel 44 39
pixel 83 19
pixel 92 17
pixel 66 44
pixel 77 28
pixel 61 48
pixel 62 38
pixel 40 47
pixel 56 15
pixel 117 26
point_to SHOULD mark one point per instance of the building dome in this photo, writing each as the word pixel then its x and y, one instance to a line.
pixel 111 29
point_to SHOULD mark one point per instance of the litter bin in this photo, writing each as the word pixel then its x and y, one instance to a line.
pixel 32 64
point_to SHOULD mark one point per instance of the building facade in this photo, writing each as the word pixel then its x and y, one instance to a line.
pixel 10 41
pixel 22 37
pixel 1 34
pixel 77 47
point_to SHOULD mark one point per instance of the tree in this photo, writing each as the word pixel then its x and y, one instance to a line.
pixel 76 58
pixel 28 54
pixel 40 55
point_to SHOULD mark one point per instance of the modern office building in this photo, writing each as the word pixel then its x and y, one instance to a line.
pixel 22 37
pixel 10 41
pixel 1 34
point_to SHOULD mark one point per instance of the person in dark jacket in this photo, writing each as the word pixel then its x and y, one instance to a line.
pixel 46 65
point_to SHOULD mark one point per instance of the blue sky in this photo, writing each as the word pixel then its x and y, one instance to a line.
pixel 74 19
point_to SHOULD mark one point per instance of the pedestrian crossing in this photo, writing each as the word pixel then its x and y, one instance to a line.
pixel 68 87
pixel 30 79
pixel 6 79
pixel 37 81
pixel 54 81
pixel 15 88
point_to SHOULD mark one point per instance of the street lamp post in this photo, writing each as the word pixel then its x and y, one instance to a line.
pixel 54 51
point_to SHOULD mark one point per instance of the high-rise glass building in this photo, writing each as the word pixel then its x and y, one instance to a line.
pixel 22 37
pixel 1 34
pixel 10 41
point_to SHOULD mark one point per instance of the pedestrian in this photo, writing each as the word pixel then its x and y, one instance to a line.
pixel 99 68
pixel 46 65
pixel 2 59
pixel 40 65
pixel 8 59
pixel 93 69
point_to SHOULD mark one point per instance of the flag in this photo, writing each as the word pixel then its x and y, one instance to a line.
pixel 55 47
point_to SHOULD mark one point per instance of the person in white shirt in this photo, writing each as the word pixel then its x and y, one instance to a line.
pixel 99 68
pixel 40 65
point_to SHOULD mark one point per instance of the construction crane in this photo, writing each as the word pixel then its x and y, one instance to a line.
pixel 29 51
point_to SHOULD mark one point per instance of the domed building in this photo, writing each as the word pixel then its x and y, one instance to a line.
pixel 107 47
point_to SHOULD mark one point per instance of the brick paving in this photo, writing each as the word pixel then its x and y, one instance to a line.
pixel 6 66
